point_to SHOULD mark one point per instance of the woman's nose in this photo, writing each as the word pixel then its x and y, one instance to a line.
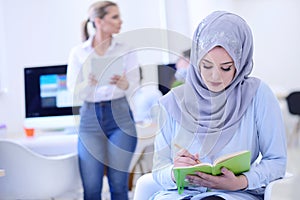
pixel 215 74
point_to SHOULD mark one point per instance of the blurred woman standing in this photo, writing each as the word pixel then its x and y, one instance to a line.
pixel 107 134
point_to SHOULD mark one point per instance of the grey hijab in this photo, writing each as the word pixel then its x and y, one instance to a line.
pixel 215 117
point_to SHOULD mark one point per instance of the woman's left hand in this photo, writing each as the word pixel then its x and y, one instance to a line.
pixel 120 81
pixel 226 181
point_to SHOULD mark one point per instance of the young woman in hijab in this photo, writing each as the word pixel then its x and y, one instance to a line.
pixel 220 110
pixel 107 134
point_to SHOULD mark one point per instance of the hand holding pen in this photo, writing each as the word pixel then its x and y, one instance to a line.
pixel 185 158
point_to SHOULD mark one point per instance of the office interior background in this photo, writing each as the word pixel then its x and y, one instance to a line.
pixel 40 33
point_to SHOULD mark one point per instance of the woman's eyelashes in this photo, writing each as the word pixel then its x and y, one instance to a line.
pixel 226 69
pixel 207 67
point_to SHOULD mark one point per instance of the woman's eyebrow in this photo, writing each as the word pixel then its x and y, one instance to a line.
pixel 225 63
pixel 207 61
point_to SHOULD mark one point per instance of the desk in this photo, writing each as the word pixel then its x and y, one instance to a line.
pixel 58 144
pixel 51 145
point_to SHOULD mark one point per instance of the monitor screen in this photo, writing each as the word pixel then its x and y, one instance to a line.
pixel 166 77
pixel 47 97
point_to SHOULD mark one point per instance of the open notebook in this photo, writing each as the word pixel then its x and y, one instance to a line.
pixel 237 162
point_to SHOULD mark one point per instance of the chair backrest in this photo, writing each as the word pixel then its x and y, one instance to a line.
pixel 293 102
pixel 29 175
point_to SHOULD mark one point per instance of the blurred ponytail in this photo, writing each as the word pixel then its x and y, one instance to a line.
pixel 84 30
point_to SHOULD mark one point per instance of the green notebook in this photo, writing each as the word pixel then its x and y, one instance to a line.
pixel 236 162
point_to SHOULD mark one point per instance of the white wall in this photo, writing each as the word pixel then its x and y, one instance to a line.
pixel 2 50
pixel 37 32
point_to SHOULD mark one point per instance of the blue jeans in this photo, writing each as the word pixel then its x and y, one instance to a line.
pixel 107 140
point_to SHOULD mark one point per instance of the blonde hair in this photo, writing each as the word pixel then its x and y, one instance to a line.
pixel 97 9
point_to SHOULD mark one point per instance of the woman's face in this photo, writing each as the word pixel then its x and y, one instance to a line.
pixel 111 22
pixel 217 69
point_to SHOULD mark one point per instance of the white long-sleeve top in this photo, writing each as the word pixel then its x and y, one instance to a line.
pixel 261 132
pixel 79 68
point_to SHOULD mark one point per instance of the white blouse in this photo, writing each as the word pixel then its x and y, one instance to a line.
pixel 79 68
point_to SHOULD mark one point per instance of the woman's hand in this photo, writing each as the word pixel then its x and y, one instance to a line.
pixel 226 181
pixel 185 158
pixel 92 81
pixel 120 81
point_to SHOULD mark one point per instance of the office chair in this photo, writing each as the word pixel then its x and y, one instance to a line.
pixel 293 102
pixel 30 175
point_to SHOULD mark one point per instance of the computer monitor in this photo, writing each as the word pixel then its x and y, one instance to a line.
pixel 166 77
pixel 48 103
